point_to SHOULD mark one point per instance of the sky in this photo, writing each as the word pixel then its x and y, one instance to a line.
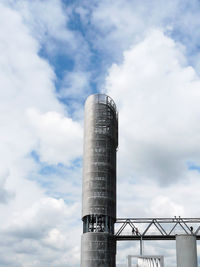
pixel 54 53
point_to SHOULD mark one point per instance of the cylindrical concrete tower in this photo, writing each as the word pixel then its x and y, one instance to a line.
pixel 98 246
pixel 186 251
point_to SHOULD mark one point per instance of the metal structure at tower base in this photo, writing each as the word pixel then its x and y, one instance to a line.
pixel 186 251
pixel 146 261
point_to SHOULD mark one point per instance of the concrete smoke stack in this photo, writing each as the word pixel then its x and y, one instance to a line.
pixel 98 246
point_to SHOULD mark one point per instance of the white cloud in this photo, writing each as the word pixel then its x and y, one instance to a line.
pixel 118 24
pixel 27 82
pixel 35 221
pixel 157 94
pixel 39 234
pixel 46 20
pixel 162 205
pixel 32 118
pixel 59 138
pixel 5 195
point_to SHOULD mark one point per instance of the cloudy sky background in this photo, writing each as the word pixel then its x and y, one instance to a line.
pixel 54 53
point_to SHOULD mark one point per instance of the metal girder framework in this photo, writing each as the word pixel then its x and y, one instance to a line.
pixel 156 228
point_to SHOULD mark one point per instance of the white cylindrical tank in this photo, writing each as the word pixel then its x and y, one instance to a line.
pixel 186 251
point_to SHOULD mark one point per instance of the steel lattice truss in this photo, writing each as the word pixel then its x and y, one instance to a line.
pixel 156 228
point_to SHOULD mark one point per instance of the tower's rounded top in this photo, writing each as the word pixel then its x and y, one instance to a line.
pixel 102 99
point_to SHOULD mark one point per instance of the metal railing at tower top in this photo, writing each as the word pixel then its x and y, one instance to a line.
pixel 156 228
pixel 107 100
